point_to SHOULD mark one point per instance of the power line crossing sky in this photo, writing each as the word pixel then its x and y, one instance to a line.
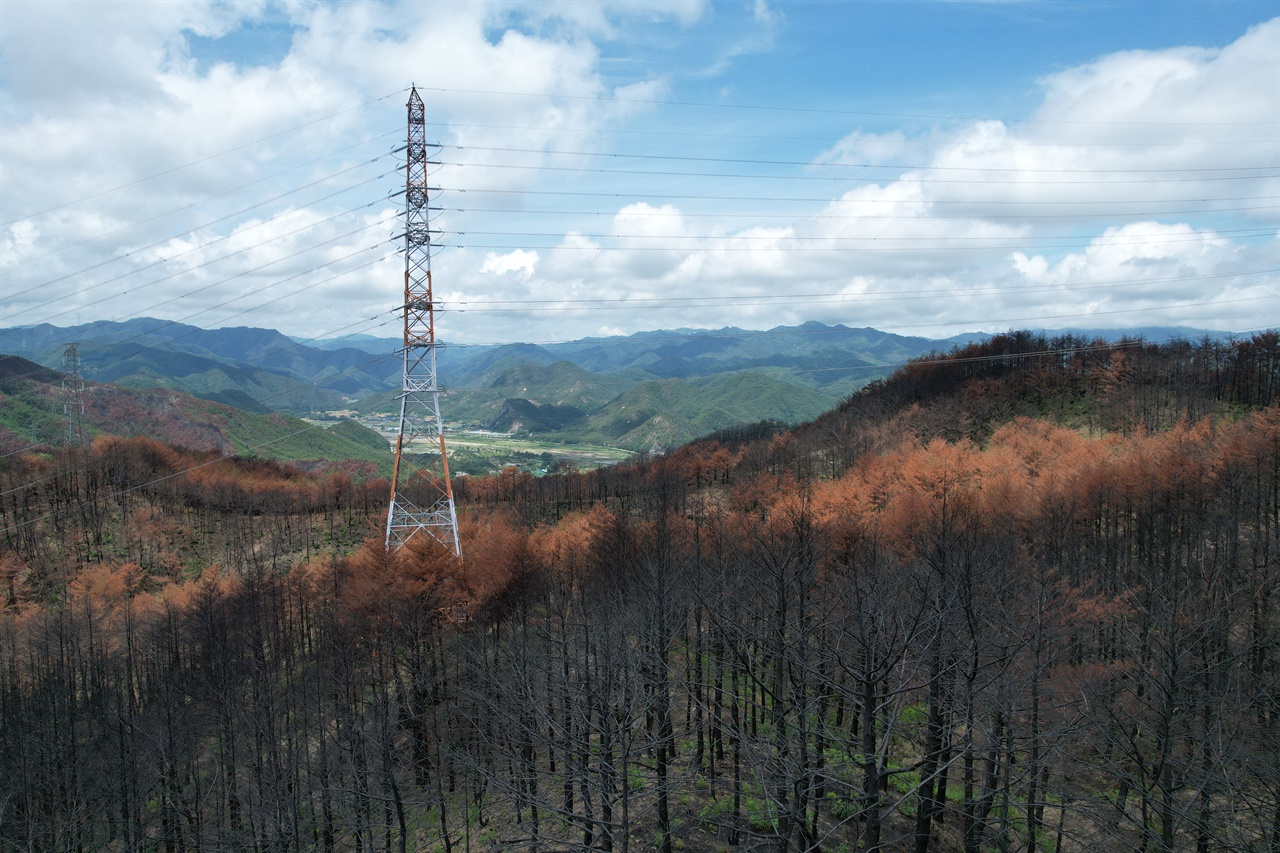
pixel 611 167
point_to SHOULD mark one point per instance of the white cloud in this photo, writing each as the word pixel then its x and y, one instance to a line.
pixel 761 37
pixel 764 15
pixel 969 223
pixel 1210 90
pixel 858 148
pixel 519 261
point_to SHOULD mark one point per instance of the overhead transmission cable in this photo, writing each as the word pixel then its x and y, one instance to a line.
pixel 309 427
pixel 760 215
pixel 867 367
pixel 620 155
pixel 1111 239
pixel 216 221
pixel 377 321
pixel 686 302
pixel 233 150
pixel 261 267
pixel 276 299
pixel 828 200
pixel 243 273
pixel 210 262
pixel 1028 244
pixel 826 140
pixel 226 456
pixel 1007 323
pixel 828 110
pixel 207 199
pixel 844 178
pixel 263 400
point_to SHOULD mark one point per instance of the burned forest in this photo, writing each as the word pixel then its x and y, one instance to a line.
pixel 1020 596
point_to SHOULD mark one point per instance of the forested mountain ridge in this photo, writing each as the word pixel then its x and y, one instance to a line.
pixel 528 384
pixel 261 370
pixel 1021 596
pixel 786 373
pixel 261 364
pixel 657 415
pixel 32 417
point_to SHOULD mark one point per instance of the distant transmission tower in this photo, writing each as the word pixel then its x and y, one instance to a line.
pixel 421 429
pixel 73 394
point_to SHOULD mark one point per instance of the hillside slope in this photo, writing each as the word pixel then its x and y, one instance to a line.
pixel 261 364
pixel 31 413
pixel 658 415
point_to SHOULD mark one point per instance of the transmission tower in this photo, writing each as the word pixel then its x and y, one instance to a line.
pixel 421 429
pixel 73 394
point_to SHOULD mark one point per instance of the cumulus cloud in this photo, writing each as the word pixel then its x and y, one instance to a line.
pixel 1110 142
pixel 143 176
pixel 108 113
pixel 519 261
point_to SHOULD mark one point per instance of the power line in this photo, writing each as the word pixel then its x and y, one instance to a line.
pixel 232 215
pixel 826 140
pixel 243 273
pixel 203 247
pixel 867 367
pixel 832 111
pixel 820 164
pixel 226 456
pixel 489 233
pixel 1112 239
pixel 853 217
pixel 46 479
pixel 264 266
pixel 294 292
pixel 843 178
pixel 166 477
pixel 104 323
pixel 205 159
pixel 833 249
pixel 829 200
pixel 650 303
pixel 1006 323
pixel 377 321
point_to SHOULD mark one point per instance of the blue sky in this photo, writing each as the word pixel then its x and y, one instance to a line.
pixel 610 167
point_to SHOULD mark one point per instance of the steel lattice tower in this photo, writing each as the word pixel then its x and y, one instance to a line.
pixel 419 391
pixel 73 394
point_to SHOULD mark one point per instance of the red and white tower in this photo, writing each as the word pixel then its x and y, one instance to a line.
pixel 421 433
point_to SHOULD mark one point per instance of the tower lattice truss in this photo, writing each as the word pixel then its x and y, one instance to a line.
pixel 73 394
pixel 421 493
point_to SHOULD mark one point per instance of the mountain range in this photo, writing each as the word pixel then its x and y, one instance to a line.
pixel 647 391
pixel 32 413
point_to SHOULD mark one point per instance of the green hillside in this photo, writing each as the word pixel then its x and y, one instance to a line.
pixel 834 359
pixel 31 412
pixel 269 391
pixel 663 414
pixel 284 438
pixel 483 397
pixel 556 385
pixel 354 432
pixel 382 402
pixel 221 364
pixel 526 416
